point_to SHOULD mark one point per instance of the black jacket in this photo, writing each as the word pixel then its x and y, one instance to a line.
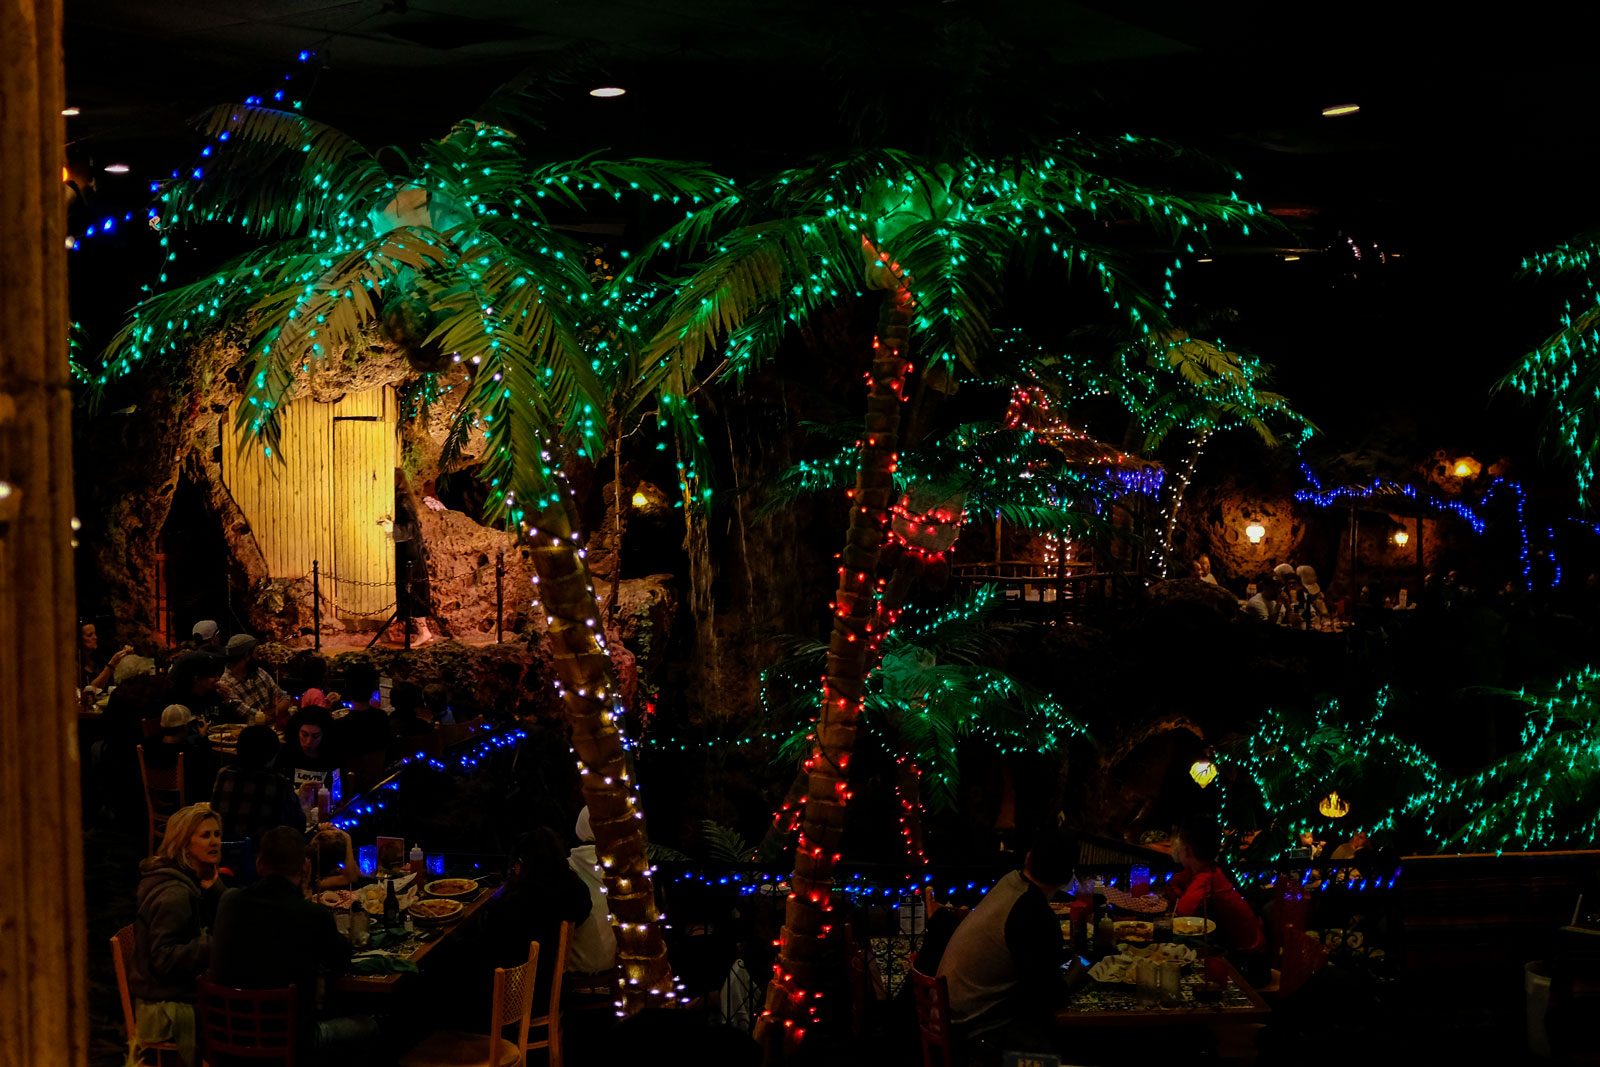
pixel 270 936
pixel 171 945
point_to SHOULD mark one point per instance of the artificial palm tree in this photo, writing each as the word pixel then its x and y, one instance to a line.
pixel 933 241
pixel 1564 368
pixel 452 254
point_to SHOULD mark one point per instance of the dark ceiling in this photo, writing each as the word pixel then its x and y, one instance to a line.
pixel 1474 143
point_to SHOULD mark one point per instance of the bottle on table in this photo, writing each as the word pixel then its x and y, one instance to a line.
pixel 391 907
pixel 415 859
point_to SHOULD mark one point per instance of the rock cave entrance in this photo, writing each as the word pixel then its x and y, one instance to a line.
pixel 193 566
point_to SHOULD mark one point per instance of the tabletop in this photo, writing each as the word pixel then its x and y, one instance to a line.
pixel 1101 1004
pixel 415 951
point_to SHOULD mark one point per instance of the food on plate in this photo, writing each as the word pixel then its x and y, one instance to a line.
pixel 432 911
pixel 1192 925
pixel 450 887
pixel 1133 930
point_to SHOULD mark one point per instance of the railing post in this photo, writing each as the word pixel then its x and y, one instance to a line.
pixel 316 607
pixel 403 606
pixel 499 592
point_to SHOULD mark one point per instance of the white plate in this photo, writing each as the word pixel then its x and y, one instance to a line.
pixel 1192 926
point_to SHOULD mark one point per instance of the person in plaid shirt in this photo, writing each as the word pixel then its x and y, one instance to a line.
pixel 250 797
pixel 248 687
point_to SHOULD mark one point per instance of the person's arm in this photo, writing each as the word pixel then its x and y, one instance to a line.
pixel 1192 899
pixel 1033 937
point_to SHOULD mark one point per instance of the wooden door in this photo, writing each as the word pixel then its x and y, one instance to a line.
pixel 363 493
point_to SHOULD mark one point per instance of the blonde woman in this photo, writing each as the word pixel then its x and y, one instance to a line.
pixel 178 895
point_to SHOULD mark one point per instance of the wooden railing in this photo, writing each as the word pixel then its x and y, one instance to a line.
pixel 1072 591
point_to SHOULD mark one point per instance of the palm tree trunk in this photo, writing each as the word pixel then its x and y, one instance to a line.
pixel 1179 488
pixel 851 653
pixel 588 690
pixel 44 953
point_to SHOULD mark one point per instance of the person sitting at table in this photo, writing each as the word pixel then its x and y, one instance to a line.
pixel 193 683
pixel 308 759
pixel 1202 888
pixel 539 895
pixel 436 697
pixel 182 732
pixel 250 796
pixel 333 858
pixel 179 888
pixel 411 722
pixel 593 951
pixel 1004 961
pixel 270 936
pixel 248 686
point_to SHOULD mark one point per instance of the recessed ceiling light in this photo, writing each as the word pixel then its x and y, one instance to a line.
pixel 1203 259
pixel 1341 109
pixel 1290 259
pixel 116 168
pixel 607 90
pixel 70 111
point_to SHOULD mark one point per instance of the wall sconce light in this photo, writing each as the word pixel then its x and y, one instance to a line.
pixel 1203 771
pixel 1334 806
pixel 1466 467
pixel 1255 533
pixel 640 500
pixel 1402 538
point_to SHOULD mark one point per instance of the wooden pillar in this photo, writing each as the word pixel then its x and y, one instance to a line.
pixel 43 989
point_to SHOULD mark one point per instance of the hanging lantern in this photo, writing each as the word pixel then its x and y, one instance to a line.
pixel 1202 771
pixel 1334 806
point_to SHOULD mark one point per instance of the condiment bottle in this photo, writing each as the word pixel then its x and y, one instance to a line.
pixel 415 859
pixel 1105 934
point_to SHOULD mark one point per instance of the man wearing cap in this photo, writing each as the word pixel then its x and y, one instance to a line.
pixel 206 636
pixel 249 687
pixel 183 733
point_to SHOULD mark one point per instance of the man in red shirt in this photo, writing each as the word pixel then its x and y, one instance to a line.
pixel 1202 888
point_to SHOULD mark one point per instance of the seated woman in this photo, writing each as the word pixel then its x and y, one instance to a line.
pixel 309 760
pixel 1202 888
pixel 178 895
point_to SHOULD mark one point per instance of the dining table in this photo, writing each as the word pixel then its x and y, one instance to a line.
pixel 413 948
pixel 1230 1008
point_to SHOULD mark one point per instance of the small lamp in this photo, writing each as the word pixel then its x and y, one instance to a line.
pixel 1203 771
pixel 1401 538
pixel 1255 533
pixel 640 500
pixel 1334 806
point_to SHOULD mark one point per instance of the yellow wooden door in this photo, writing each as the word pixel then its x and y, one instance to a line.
pixel 319 498
pixel 363 492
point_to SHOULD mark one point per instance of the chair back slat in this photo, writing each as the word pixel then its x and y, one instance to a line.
pixel 932 996
pixel 121 952
pixel 160 786
pixel 250 1024
pixel 513 996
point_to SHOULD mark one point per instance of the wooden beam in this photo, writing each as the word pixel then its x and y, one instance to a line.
pixel 43 933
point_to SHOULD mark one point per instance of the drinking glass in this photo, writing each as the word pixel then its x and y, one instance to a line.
pixel 367 860
pixel 1171 983
pixel 1147 981
pixel 435 863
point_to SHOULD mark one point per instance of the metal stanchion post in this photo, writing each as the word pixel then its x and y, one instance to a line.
pixel 316 607
pixel 499 592
pixel 405 609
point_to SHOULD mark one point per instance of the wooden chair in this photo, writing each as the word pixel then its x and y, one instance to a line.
pixel 933 1017
pixel 513 1003
pixel 157 1053
pixel 551 1019
pixel 245 1024
pixel 169 783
